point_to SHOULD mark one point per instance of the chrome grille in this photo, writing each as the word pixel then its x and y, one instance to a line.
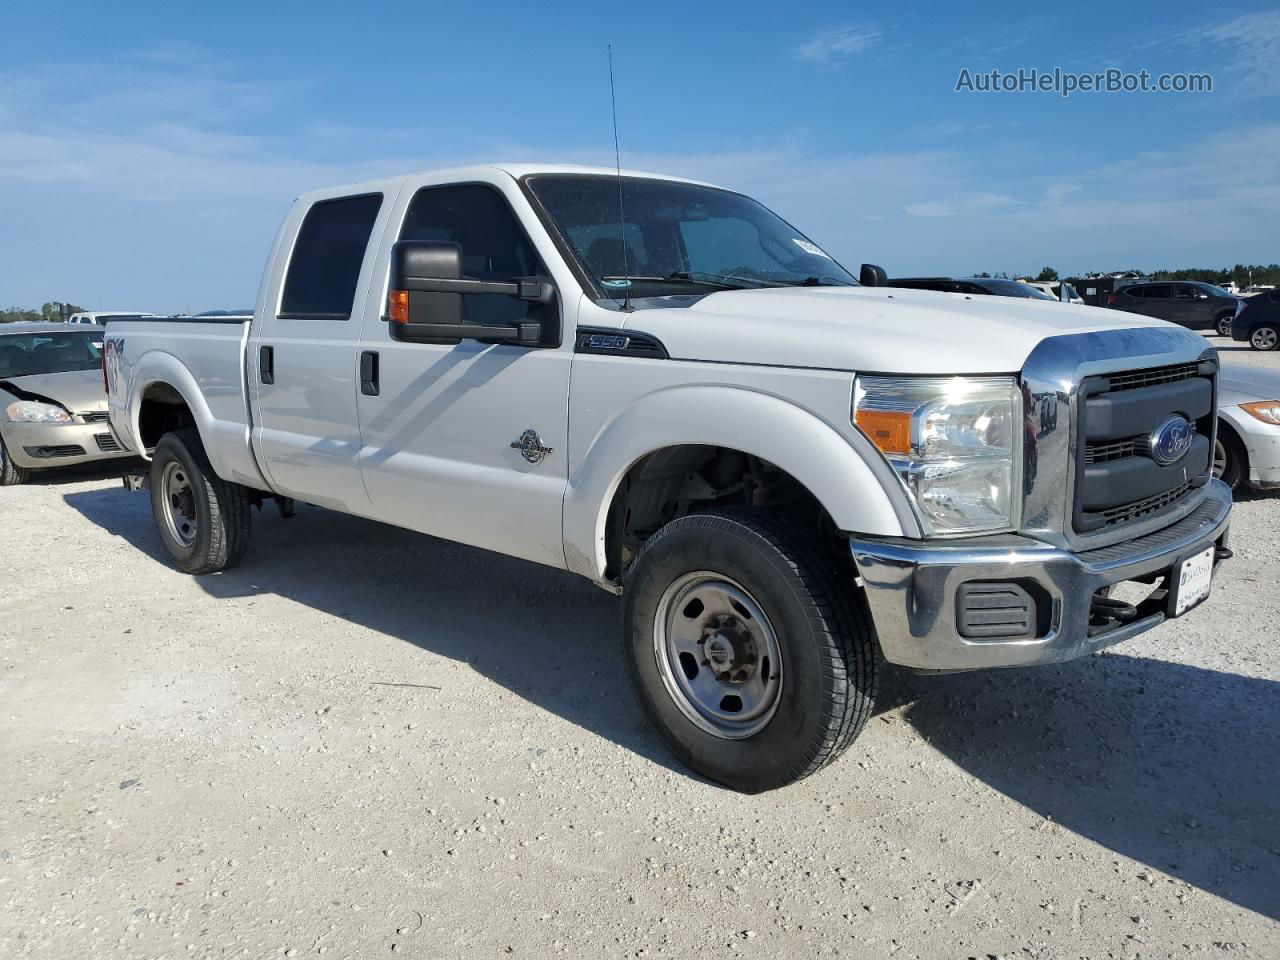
pixel 1115 450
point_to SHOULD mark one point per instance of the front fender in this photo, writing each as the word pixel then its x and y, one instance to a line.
pixel 844 472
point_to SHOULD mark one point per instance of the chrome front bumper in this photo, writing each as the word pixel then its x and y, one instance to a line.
pixel 912 589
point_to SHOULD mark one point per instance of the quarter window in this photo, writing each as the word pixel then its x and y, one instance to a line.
pixel 327 256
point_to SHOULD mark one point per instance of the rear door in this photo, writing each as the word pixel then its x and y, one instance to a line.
pixel 302 356
pixel 442 423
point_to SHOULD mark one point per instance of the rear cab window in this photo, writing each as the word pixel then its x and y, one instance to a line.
pixel 328 254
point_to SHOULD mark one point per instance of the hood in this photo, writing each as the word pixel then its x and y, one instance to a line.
pixel 881 329
pixel 1242 384
pixel 80 391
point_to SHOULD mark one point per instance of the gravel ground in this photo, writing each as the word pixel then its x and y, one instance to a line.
pixel 365 741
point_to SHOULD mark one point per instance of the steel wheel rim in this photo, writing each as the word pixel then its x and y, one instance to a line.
pixel 1264 338
pixel 1219 458
pixel 177 499
pixel 704 617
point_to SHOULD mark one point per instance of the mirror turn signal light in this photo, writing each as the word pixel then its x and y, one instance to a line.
pixel 398 306
pixel 890 430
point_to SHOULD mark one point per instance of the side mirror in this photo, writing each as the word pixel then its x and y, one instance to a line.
pixel 872 276
pixel 424 299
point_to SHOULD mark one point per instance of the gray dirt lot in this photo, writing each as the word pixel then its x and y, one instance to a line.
pixel 365 741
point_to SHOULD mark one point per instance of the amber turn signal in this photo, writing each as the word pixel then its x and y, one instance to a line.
pixel 890 430
pixel 398 306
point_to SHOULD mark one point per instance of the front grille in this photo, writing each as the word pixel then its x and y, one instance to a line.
pixel 107 443
pixel 1151 378
pixel 1115 450
pixel 1118 481
pixel 95 416
pixel 1140 508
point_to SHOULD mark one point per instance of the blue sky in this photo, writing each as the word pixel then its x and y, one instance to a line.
pixel 148 150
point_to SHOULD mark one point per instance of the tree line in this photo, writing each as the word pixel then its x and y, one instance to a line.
pixel 47 312
pixel 1240 274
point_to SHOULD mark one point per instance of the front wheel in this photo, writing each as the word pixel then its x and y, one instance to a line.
pixel 1230 462
pixel 1264 338
pixel 204 521
pixel 1223 324
pixel 751 658
pixel 10 473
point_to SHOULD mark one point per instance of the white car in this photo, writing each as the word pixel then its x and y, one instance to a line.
pixel 100 317
pixel 788 471
pixel 1247 452
pixel 1054 290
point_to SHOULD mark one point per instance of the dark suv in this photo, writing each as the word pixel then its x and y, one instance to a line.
pixel 1200 306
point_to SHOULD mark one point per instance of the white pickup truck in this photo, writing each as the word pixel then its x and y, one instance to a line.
pixel 662 386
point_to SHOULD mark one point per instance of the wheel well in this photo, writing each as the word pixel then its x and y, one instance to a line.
pixel 162 411
pixel 1229 434
pixel 675 481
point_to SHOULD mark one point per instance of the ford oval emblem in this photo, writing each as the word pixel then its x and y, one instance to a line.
pixel 1171 440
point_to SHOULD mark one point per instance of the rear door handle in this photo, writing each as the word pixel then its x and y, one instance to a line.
pixel 369 373
pixel 267 364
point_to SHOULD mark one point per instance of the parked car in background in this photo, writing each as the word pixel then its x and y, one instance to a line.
pixel 1054 290
pixel 1258 323
pixel 53 407
pixel 1247 451
pixel 99 317
pixel 979 286
pixel 1189 303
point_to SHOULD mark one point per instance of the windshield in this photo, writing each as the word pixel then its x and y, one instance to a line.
pixel 25 355
pixel 679 237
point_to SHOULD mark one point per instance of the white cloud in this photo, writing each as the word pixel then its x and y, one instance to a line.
pixel 971 204
pixel 837 45
pixel 1252 42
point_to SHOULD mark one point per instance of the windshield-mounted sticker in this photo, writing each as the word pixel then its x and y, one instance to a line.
pixel 616 283
pixel 808 247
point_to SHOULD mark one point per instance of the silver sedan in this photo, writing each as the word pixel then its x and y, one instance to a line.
pixel 1248 449
pixel 53 407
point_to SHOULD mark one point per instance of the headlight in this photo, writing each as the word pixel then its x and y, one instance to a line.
pixel 1268 411
pixel 31 411
pixel 955 443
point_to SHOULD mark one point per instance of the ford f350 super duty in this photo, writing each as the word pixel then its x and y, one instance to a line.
pixel 662 386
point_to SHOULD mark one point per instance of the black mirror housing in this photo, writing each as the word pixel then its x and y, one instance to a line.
pixel 424 300
pixel 872 276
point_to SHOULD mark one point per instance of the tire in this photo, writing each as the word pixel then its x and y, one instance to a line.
pixel 1222 323
pixel 203 520
pixel 822 683
pixel 1230 460
pixel 1264 337
pixel 10 473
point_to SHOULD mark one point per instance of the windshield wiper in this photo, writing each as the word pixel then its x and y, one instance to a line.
pixel 701 279
pixel 727 280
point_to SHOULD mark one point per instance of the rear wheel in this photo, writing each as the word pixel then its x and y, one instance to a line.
pixel 10 473
pixel 752 659
pixel 1264 338
pixel 203 520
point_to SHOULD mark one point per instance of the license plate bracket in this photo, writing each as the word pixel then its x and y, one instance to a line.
pixel 1190 581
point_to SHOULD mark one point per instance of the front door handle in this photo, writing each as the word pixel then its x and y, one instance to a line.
pixel 267 364
pixel 369 373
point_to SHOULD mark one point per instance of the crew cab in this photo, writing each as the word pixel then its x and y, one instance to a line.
pixel 662 386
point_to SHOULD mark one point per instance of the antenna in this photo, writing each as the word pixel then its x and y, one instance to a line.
pixel 617 162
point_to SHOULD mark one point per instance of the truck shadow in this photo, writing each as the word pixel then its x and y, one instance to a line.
pixel 1174 766
pixel 550 637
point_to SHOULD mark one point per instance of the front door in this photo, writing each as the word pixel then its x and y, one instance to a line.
pixel 467 440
